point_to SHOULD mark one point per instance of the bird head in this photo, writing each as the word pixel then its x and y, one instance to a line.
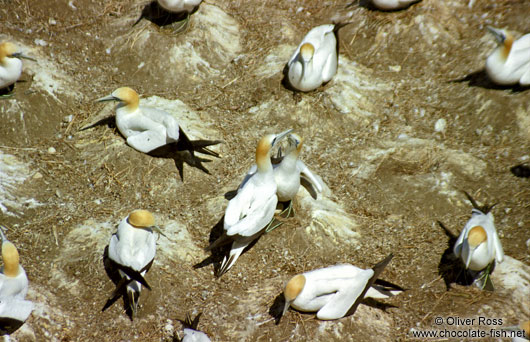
pixel 8 49
pixel 126 96
pixel 263 151
pixel 292 290
pixel 11 259
pixel 504 38
pixel 144 219
pixel 476 236
pixel 307 50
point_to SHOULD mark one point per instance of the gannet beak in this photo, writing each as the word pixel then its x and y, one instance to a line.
pixel 285 308
pixel 280 136
pixel 158 230
pixel 107 98
pixel 20 55
pixel 497 33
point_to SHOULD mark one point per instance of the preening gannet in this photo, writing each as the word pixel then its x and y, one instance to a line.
pixel 315 60
pixel 510 62
pixel 478 244
pixel 133 250
pixel 252 209
pixel 336 291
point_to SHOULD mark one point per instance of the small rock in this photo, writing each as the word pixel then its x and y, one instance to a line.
pixel 68 118
pixel 40 42
pixel 395 68
pixel 440 125
pixel 37 175
pixel 51 150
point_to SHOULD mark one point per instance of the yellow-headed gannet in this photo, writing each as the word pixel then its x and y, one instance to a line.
pixel 10 64
pixel 336 291
pixel 252 209
pixel 147 129
pixel 390 5
pixel 522 332
pixel 478 244
pixel 14 310
pixel 191 334
pixel 13 279
pixel 315 60
pixel 510 63
pixel 133 250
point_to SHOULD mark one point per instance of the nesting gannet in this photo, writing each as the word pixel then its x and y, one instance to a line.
pixel 478 244
pixel 147 129
pixel 289 172
pixel 252 209
pixel 13 279
pixel 336 291
pixel 133 249
pixel 390 5
pixel 10 64
pixel 179 6
pixel 510 63
pixel 191 334
pixel 315 60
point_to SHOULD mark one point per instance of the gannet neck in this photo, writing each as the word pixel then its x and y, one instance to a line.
pixel 294 287
pixel 11 259
pixel 263 158
pixel 141 219
pixel 476 236
pixel 129 98
pixel 507 46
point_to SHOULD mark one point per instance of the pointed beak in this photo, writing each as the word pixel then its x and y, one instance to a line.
pixel 281 136
pixel 107 98
pixel 20 55
pixel 157 229
pixel 467 254
pixel 498 34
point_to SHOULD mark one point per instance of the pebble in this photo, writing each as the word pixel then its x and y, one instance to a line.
pixel 440 125
pixel 37 175
pixel 51 150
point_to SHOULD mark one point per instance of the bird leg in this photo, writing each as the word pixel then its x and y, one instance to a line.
pixel 272 225
pixel 289 209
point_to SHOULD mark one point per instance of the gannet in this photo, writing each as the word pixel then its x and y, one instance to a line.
pixel 133 250
pixel 191 334
pixel 315 60
pixel 510 63
pixel 390 5
pixel 252 209
pixel 522 332
pixel 289 172
pixel 336 291
pixel 478 244
pixel 10 64
pixel 147 129
pixel 179 6
pixel 13 279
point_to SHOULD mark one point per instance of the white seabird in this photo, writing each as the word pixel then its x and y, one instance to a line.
pixel 133 250
pixel 336 291
pixel 478 245
pixel 509 64
pixel 315 60
pixel 249 213
pixel 191 334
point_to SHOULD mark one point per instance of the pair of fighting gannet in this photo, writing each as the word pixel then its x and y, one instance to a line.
pixel 14 309
pixel 132 251
pixel 10 65
pixel 509 64
pixel 479 246
pixel 250 212
pixel 149 129
pixel 336 291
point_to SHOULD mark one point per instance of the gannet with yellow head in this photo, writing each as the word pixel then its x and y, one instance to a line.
pixel 133 250
pixel 336 291
pixel 521 332
pixel 10 64
pixel 478 244
pixel 391 5
pixel 315 60
pixel 252 209
pixel 510 63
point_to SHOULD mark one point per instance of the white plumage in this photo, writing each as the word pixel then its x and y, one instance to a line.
pixel 10 66
pixel 315 60
pixel 252 209
pixel 133 246
pixel 179 6
pixel 510 62
pixel 389 5
pixel 334 292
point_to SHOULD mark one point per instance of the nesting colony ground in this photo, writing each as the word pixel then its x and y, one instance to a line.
pixel 369 135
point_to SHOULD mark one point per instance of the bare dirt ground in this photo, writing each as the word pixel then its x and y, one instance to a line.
pixel 369 135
